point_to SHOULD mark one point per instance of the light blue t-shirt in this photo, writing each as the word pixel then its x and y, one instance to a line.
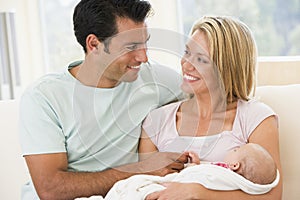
pixel 98 128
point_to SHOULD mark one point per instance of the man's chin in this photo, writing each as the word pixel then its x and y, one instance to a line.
pixel 130 79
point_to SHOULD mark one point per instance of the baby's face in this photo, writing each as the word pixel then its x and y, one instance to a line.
pixel 236 154
pixel 233 155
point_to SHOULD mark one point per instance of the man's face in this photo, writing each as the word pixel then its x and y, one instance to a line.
pixel 124 53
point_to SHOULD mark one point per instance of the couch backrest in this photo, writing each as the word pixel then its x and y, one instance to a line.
pixel 13 172
pixel 285 101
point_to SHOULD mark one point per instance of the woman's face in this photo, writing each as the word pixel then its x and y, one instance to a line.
pixel 197 68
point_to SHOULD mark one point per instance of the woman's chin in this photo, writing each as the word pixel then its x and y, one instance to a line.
pixel 187 89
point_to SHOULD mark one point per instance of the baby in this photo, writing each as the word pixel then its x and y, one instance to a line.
pixel 250 161
pixel 249 168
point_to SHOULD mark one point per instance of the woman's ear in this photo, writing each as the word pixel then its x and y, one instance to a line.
pixel 234 166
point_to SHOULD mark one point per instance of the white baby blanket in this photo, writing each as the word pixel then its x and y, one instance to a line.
pixel 210 176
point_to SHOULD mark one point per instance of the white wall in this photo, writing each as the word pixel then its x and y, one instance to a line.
pixel 167 18
pixel 29 40
pixel 30 46
pixel 278 70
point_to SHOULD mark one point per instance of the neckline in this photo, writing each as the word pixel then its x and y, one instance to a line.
pixel 77 82
pixel 214 135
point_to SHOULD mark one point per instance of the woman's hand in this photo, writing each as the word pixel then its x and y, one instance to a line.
pixel 176 191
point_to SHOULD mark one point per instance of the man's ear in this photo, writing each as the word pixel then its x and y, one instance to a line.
pixel 92 43
pixel 234 166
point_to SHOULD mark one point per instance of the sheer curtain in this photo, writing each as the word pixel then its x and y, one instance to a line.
pixel 9 60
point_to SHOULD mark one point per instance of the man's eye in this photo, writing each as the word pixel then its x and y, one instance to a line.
pixel 132 47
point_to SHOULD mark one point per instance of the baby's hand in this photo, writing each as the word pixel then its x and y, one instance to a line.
pixel 194 158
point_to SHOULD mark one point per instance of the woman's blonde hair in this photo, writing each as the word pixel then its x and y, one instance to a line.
pixel 232 48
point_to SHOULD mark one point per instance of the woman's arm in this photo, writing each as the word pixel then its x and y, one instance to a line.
pixel 146 146
pixel 266 135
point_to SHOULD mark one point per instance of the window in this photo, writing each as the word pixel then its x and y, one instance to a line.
pixel 9 62
pixel 275 23
pixel 60 45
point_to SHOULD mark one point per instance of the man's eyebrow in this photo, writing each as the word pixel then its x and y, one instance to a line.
pixel 134 43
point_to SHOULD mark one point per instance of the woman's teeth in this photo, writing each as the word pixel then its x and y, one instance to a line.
pixel 190 78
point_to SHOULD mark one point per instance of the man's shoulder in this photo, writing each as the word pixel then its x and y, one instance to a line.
pixel 46 82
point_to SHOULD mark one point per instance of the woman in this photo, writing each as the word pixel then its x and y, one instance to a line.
pixel 219 74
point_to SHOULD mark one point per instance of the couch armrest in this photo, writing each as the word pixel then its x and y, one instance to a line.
pixel 13 171
pixel 285 101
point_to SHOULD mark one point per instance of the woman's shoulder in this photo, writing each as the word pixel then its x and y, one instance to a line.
pixel 167 108
pixel 254 111
pixel 253 105
pixel 158 118
pixel 165 111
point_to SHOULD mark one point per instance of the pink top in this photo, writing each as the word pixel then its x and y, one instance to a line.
pixel 160 125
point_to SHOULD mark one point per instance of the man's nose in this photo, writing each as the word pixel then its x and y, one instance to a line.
pixel 141 55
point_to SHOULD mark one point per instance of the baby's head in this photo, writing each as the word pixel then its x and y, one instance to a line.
pixel 253 162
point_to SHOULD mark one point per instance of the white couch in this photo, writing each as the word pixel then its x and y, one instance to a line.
pixel 13 171
pixel 285 100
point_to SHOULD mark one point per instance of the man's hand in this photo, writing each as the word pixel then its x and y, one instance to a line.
pixel 157 163
pixel 194 157
pixel 162 163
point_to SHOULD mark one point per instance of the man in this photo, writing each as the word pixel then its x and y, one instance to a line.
pixel 80 129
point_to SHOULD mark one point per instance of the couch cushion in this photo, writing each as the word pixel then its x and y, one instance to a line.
pixel 13 172
pixel 285 101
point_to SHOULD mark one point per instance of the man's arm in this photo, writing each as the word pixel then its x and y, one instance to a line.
pixel 52 180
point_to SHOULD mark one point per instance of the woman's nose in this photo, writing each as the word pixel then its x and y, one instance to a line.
pixel 186 65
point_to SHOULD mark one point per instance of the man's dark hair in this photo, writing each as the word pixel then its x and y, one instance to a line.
pixel 99 17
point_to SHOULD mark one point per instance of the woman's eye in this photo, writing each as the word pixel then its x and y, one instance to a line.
pixel 202 60
pixel 186 52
